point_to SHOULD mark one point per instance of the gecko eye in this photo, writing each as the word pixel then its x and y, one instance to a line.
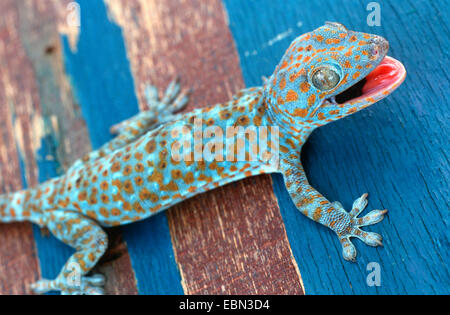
pixel 325 78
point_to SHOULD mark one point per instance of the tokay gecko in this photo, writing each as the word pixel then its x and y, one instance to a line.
pixel 161 157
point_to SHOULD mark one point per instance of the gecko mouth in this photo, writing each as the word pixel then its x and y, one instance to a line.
pixel 379 83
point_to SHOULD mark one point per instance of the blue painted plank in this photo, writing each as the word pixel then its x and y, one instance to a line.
pixel 103 84
pixel 52 253
pixel 397 149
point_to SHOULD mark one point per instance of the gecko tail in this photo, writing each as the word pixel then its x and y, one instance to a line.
pixel 16 207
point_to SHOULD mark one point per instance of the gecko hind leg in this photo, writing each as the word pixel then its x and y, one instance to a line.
pixel 90 243
pixel 353 229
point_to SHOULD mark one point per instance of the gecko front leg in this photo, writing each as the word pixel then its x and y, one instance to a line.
pixel 332 215
pixel 159 111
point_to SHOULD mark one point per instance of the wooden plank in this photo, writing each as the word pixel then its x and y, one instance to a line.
pixel 18 103
pixel 231 240
pixel 56 128
pixel 396 150
pixel 100 75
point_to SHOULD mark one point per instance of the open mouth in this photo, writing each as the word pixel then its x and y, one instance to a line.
pixel 379 83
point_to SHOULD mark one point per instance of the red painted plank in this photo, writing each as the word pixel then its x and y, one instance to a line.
pixel 18 262
pixel 33 85
pixel 231 240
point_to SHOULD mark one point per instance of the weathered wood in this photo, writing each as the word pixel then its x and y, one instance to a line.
pixel 231 240
pixel 50 130
pixel 101 78
pixel 397 150
pixel 18 104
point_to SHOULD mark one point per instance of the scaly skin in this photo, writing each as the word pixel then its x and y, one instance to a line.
pixel 140 173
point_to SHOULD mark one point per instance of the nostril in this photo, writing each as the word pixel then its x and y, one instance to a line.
pixel 381 44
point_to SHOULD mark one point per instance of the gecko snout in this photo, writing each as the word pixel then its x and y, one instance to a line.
pixel 380 45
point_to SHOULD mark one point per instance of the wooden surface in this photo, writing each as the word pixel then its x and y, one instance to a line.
pixel 61 88
pixel 397 150
pixel 124 47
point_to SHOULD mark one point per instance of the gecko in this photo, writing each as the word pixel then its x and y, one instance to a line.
pixel 163 156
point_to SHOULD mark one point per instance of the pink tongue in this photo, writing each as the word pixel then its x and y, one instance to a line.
pixel 383 76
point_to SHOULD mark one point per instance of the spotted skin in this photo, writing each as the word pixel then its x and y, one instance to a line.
pixel 143 170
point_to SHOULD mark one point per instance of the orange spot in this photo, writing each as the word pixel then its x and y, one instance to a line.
pixel 291 96
pixel 139 167
pixel 138 208
pixel 300 112
pixel 172 186
pixel 115 212
pixel 304 87
pixel 243 120
pixel 347 64
pixel 356 75
pixel 138 156
pixel 82 196
pixel 330 41
pixel 115 167
pixel 150 146
pixel 192 189
pixel 282 83
pixel 317 214
pixel 156 177
pixel 311 99
pixel 104 212
pixel 128 187
pixel 127 170
pixel 189 178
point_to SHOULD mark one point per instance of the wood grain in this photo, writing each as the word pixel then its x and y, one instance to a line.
pixel 397 150
pixel 18 104
pixel 230 240
pixel 50 134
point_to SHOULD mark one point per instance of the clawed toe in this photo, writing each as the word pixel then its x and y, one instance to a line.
pixel 43 286
pixel 373 217
pixel 359 205
pixel 91 285
pixel 348 249
pixel 173 100
pixel 370 238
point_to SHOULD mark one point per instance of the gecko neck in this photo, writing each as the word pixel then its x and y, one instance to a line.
pixel 288 129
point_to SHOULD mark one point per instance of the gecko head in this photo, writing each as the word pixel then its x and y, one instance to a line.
pixel 330 73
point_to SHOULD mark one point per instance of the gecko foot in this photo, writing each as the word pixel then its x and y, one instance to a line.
pixel 160 109
pixel 91 285
pixel 353 228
